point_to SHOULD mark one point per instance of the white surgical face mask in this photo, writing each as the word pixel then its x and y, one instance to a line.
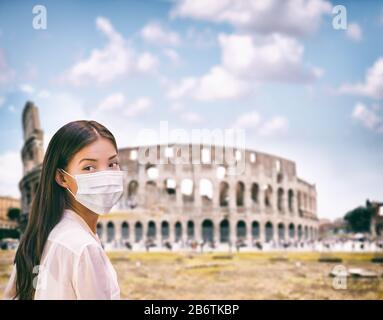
pixel 99 191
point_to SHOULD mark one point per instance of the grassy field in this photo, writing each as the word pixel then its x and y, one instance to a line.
pixel 258 275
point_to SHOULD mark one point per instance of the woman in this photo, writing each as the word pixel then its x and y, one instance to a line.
pixel 60 255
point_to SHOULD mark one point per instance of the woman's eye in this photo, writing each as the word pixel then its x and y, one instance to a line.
pixel 89 168
pixel 114 165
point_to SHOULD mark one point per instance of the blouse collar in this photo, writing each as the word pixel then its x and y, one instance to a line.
pixel 69 213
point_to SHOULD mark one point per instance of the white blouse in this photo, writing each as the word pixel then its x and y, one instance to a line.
pixel 73 265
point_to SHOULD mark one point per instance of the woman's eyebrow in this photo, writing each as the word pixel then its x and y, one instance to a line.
pixel 95 160
pixel 87 159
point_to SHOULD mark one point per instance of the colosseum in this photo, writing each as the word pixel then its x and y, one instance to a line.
pixel 168 203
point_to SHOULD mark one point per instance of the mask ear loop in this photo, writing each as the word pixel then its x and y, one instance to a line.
pixel 62 170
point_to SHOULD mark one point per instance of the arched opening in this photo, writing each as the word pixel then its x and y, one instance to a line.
pixel 268 196
pixel 132 194
pixel 151 232
pixel 187 190
pixel 241 230
pixel 306 233
pixel 125 230
pixel 170 188
pixel 207 231
pixel 224 231
pixel 281 232
pixel 178 231
pixel 255 232
pixel 254 192
pixel 206 192
pixel 280 199
pixel 291 200
pixel 190 230
pixel 300 232
pixel 99 230
pixel 291 231
pixel 110 231
pixel 224 194
pixel 138 232
pixel 269 231
pixel 240 191
pixel 164 230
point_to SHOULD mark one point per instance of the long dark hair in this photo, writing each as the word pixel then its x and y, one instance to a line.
pixel 51 199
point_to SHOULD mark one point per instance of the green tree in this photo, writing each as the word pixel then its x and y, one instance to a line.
pixel 359 219
pixel 13 214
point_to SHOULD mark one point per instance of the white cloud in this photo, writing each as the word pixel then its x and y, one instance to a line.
pixel 276 125
pixel 296 17
pixel 192 117
pixel 248 120
pixel 246 62
pixel 147 62
pixel 373 85
pixel 6 73
pixel 254 122
pixel 110 62
pixel 201 38
pixel 368 117
pixel 10 173
pixel 354 31
pixel 271 58
pixel 44 94
pixel 138 106
pixel 112 101
pixel 27 88
pixel 155 33
pixel 172 55
pixel 217 84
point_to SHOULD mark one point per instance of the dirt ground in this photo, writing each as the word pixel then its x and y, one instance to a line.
pixel 258 275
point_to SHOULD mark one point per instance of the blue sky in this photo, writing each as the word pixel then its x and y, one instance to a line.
pixel 298 87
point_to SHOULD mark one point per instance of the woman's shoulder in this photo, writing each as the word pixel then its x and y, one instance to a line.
pixel 71 235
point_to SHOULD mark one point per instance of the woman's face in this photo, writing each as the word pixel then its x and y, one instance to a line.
pixel 98 156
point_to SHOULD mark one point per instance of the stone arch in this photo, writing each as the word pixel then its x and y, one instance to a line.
pixel 165 230
pixel 138 230
pixel 178 231
pixel 207 231
pixel 100 230
pixel 241 230
pixel 280 199
pixel 300 232
pixel 125 230
pixel 240 194
pixel 269 231
pixel 132 194
pixel 224 231
pixel 281 231
pixel 223 194
pixel 187 190
pixel 190 230
pixel 255 230
pixel 206 192
pixel 268 196
pixel 170 188
pixel 291 200
pixel 255 192
pixel 110 231
pixel 291 231
pixel 152 231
